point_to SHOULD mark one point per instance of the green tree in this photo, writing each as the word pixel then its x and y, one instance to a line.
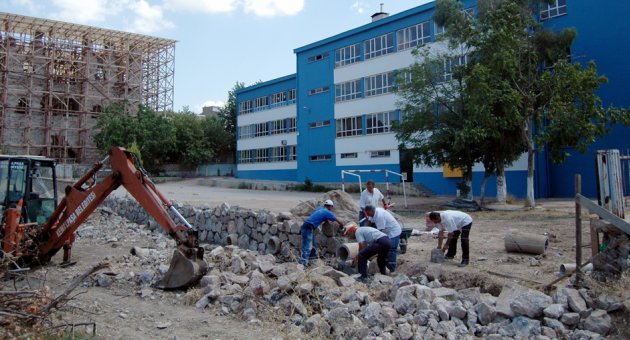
pixel 227 116
pixel 192 146
pixel 115 128
pixel 520 82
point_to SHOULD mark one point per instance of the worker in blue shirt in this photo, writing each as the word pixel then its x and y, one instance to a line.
pixel 309 244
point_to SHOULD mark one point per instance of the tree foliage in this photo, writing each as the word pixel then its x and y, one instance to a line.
pixel 175 137
pixel 227 116
pixel 520 88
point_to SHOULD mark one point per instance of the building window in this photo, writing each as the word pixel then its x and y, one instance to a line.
pixel 262 156
pixel 554 10
pixel 278 99
pixel 378 46
pixel 246 107
pixel 379 84
pixel 318 57
pixel 379 122
pixel 469 12
pixel 348 90
pixel 261 103
pixel 291 125
pixel 321 157
pixel 318 90
pixel 321 123
pixel 439 30
pixel 292 96
pixel 413 36
pixel 347 55
pixel 278 127
pixel 351 126
pixel 262 129
pixel 451 64
pixel 291 152
pixel 278 154
pixel 349 155
pixel 22 106
pixel 247 131
pixel 380 154
pixel 245 156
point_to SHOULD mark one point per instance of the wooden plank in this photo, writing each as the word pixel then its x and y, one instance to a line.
pixel 605 214
pixel 594 240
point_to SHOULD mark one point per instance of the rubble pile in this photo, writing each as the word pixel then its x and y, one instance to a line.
pixel 613 258
pixel 320 301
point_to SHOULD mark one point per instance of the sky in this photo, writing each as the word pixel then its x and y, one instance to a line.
pixel 219 42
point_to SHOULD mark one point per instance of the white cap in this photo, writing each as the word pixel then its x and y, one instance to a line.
pixel 329 202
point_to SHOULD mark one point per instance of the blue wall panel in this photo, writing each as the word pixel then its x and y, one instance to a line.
pixel 440 185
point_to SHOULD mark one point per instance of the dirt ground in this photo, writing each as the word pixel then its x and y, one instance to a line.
pixel 125 311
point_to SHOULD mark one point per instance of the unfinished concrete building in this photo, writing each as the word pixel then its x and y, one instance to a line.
pixel 57 77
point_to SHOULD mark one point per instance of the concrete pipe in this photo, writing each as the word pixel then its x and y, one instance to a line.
pixel 526 243
pixel 347 251
pixel 567 268
pixel 231 240
pixel 273 245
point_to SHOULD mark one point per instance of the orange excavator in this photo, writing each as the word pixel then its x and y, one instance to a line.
pixel 34 228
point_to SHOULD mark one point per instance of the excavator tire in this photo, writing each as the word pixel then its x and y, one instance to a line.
pixel 183 271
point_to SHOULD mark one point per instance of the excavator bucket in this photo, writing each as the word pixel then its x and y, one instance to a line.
pixel 183 271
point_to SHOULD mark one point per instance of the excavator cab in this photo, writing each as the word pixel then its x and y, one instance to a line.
pixel 31 179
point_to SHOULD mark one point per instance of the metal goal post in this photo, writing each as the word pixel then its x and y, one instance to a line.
pixel 357 173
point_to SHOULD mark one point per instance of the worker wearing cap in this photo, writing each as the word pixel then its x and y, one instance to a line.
pixel 369 196
pixel 456 223
pixel 371 242
pixel 384 221
pixel 309 244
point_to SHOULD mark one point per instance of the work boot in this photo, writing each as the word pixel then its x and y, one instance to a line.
pixel 463 264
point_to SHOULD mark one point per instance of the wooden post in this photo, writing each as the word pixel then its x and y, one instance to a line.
pixel 594 240
pixel 578 229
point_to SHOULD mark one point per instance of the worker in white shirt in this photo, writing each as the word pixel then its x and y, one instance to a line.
pixel 384 221
pixel 369 196
pixel 456 223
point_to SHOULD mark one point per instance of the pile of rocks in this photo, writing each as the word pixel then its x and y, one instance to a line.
pixel 323 302
pixel 257 230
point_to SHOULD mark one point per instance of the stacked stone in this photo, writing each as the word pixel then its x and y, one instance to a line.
pixel 246 228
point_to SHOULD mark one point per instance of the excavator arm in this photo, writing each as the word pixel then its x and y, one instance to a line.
pixel 80 201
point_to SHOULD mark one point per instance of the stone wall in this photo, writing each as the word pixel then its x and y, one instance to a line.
pixel 257 230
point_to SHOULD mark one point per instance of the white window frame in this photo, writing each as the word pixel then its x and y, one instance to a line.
pixel 451 63
pixel 262 129
pixel 412 36
pixel 292 96
pixel 378 46
pixel 245 107
pixel 385 119
pixel 277 154
pixel 439 30
pixel 278 99
pixel 380 84
pixel 380 154
pixel 349 126
pixel 261 103
pixel 319 124
pixel 261 155
pixel 347 55
pixel 246 132
pixel 318 90
pixel 291 124
pixel 348 90
pixel 278 127
pixel 557 9
pixel 291 152
pixel 320 158
pixel 245 156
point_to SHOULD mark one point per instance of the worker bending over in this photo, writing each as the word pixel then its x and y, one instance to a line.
pixel 371 242
pixel 309 244
pixel 384 221
pixel 456 223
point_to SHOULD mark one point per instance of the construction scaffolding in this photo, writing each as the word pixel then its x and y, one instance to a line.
pixel 57 77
